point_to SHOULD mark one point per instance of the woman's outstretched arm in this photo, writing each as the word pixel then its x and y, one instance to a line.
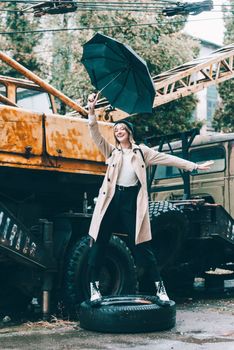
pixel 153 157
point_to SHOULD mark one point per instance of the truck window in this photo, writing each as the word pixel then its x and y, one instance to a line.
pixel 212 101
pixel 2 91
pixel 217 154
pixel 166 172
pixel 34 100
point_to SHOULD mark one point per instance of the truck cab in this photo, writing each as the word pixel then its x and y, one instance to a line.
pixel 215 185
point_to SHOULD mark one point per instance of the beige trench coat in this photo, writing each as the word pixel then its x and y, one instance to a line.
pixel 113 160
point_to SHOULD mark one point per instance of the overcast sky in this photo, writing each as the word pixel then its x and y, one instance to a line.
pixel 207 25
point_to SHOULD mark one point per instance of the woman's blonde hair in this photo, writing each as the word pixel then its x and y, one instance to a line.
pixel 131 139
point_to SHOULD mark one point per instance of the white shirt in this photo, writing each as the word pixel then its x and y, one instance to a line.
pixel 127 176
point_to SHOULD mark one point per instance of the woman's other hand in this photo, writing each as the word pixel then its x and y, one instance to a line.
pixel 205 166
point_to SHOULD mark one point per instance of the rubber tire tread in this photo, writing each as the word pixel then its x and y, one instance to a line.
pixel 164 214
pixel 135 318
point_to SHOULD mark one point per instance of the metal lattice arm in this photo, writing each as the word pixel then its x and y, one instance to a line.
pixel 194 76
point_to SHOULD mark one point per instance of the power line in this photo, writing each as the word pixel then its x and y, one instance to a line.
pixel 100 6
pixel 132 10
pixel 93 2
pixel 139 9
pixel 108 3
pixel 107 7
pixel 106 27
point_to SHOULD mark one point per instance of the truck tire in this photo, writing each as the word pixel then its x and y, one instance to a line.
pixel 13 302
pixel 118 275
pixel 127 314
pixel 169 226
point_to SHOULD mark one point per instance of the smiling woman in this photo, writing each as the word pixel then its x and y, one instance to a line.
pixel 123 200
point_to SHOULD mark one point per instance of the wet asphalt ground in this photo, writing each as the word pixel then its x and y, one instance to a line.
pixel 203 322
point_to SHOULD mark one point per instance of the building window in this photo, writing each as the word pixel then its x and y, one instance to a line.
pixel 212 101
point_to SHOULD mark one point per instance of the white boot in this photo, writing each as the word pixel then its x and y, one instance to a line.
pixel 161 293
pixel 94 291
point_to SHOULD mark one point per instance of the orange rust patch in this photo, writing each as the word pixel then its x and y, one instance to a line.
pixel 69 137
pixel 20 129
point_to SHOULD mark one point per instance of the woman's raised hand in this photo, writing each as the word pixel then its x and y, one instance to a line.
pixel 92 100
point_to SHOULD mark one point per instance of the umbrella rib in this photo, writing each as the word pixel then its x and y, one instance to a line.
pixel 143 82
pixel 120 90
pixel 98 57
pixel 94 75
pixel 115 52
pixel 136 84
pixel 111 73
pixel 133 107
pixel 137 88
pixel 137 91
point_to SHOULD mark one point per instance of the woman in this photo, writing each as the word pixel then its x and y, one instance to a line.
pixel 123 197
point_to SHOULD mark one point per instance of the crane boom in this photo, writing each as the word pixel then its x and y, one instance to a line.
pixel 187 79
pixel 173 84
pixel 194 76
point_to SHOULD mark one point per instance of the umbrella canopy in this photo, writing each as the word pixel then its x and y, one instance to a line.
pixel 119 73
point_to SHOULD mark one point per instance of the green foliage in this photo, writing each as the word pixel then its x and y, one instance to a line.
pixel 172 117
pixel 224 115
pixel 18 45
pixel 160 43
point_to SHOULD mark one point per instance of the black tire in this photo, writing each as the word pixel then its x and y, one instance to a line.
pixel 169 226
pixel 127 314
pixel 13 302
pixel 118 275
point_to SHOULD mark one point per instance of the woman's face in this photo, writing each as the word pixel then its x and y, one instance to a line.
pixel 121 133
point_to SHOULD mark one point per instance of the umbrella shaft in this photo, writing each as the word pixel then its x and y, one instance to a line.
pixel 111 81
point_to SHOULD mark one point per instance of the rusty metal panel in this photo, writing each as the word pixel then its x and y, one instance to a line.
pixel 69 137
pixel 20 131
pixel 48 164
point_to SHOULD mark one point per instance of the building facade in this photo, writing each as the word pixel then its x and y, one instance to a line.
pixel 208 98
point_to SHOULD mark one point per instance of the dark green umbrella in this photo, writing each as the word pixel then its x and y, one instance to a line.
pixel 119 74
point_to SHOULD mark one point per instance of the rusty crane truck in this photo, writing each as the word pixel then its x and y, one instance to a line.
pixel 50 173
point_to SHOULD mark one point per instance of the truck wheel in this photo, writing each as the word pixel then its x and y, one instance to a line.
pixel 118 275
pixel 12 301
pixel 127 314
pixel 169 226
